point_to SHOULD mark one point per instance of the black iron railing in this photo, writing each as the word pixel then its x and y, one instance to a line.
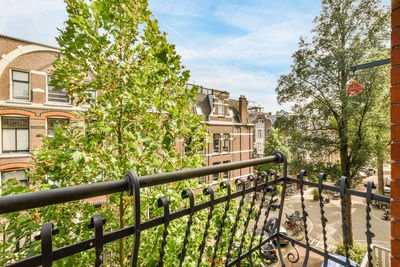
pixel 262 194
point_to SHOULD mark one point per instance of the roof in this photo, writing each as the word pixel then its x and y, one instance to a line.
pixel 204 105
pixel 26 41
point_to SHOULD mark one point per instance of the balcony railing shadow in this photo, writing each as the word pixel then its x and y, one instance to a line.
pixel 258 227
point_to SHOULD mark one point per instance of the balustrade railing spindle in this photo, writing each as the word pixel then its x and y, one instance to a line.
pixel 244 234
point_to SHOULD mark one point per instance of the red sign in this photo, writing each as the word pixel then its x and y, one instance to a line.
pixel 354 88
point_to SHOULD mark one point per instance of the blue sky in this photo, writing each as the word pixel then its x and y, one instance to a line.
pixel 241 46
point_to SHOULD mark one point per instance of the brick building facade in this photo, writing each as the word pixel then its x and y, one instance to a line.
pixel 230 129
pixel 28 105
pixel 262 125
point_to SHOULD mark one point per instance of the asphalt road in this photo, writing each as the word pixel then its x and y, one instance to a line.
pixel 380 228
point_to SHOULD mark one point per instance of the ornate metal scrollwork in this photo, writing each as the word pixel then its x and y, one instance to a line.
pixel 292 257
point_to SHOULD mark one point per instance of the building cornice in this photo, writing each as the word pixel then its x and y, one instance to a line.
pixel 40 106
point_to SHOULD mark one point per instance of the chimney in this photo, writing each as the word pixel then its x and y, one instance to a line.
pixel 243 109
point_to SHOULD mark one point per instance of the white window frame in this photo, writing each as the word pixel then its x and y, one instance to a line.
pixel 69 103
pixel 12 87
pixel 225 137
pixel 259 134
pixel 55 117
pixel 1 135
pixel 219 143
pixel 221 107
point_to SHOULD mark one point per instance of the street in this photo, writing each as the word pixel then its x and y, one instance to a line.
pixel 380 228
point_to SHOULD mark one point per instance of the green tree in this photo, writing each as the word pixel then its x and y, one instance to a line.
pixel 143 107
pixel 274 141
pixel 379 120
pixel 380 143
pixel 346 33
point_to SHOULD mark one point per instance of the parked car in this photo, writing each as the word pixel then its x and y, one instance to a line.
pixel 332 263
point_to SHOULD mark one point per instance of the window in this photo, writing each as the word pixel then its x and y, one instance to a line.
pixel 19 175
pixel 221 108
pixel 54 95
pixel 215 175
pixel 92 95
pixel 15 133
pixel 51 122
pixel 260 149
pixel 187 146
pixel 259 133
pixel 260 121
pixel 20 85
pixel 225 175
pixel 216 143
pixel 225 145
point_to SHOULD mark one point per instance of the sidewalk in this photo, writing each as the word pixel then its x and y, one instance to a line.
pixel 314 260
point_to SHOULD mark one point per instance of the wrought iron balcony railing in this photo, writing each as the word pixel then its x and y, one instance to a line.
pixel 257 233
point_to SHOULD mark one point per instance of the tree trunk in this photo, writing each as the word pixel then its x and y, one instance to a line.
pixel 345 167
pixel 379 163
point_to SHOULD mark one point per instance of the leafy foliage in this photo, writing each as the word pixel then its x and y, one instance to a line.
pixel 142 109
pixel 275 141
pixel 356 251
pixel 325 119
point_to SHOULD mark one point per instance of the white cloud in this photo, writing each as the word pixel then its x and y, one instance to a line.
pixel 269 45
pixel 253 15
pixel 243 65
pixel 240 48
pixel 249 64
pixel 185 8
pixel 31 19
pixel 256 86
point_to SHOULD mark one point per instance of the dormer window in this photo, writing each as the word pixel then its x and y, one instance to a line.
pixel 221 108
pixel 20 85
pixel 54 95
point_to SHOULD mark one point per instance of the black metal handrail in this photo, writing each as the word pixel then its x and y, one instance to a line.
pixel 62 195
pixel 260 184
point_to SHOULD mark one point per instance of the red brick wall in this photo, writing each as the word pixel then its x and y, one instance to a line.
pixel 38 63
pixel 242 136
pixel 395 129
